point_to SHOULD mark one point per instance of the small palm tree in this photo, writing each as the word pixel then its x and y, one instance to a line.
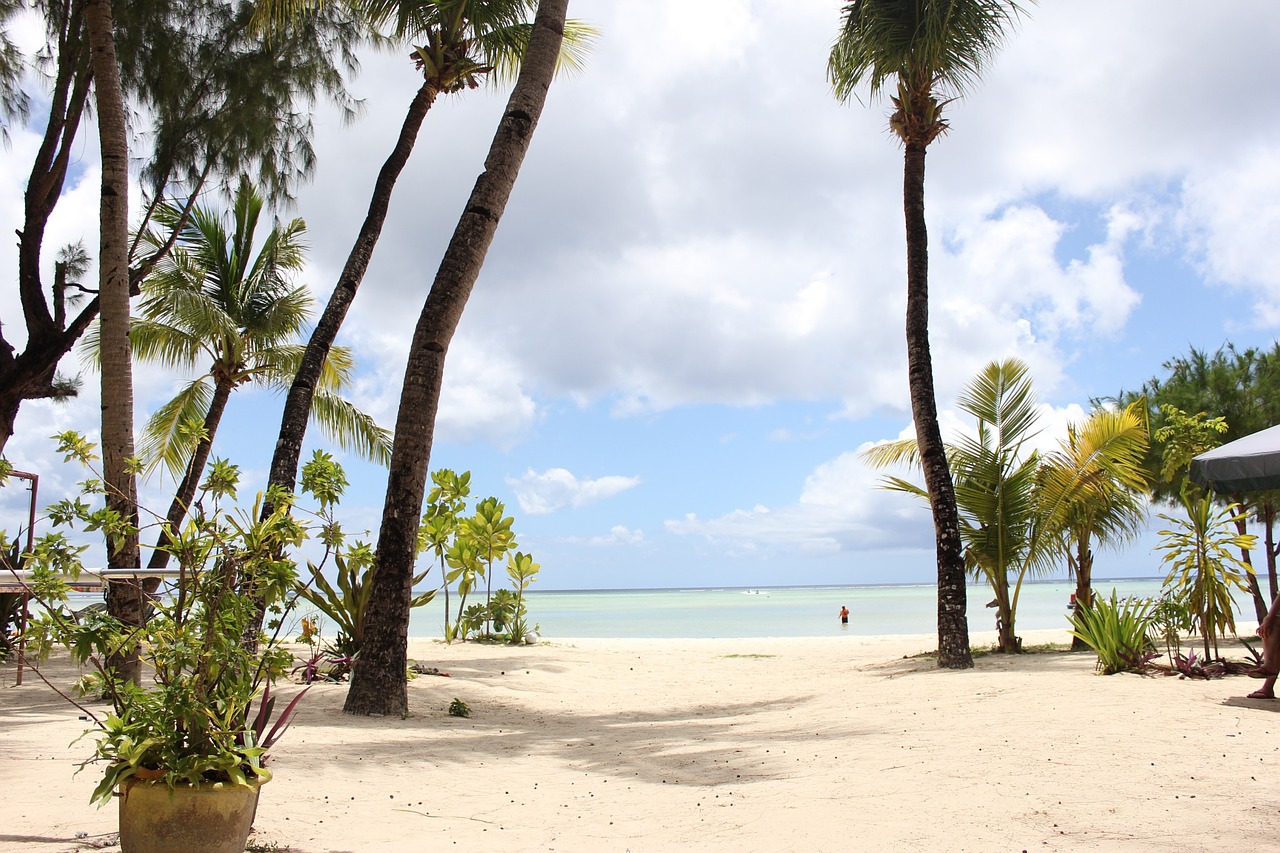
pixel 1093 489
pixel 214 304
pixel 994 485
pixel 933 50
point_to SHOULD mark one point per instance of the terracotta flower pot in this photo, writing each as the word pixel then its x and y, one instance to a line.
pixel 211 818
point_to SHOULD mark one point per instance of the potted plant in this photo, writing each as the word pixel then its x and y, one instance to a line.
pixel 188 742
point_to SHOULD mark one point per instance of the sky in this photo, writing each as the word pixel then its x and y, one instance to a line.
pixel 690 322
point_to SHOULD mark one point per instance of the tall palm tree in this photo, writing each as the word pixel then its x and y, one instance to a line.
pixel 378 684
pixel 933 50
pixel 213 303
pixel 1093 489
pixel 457 46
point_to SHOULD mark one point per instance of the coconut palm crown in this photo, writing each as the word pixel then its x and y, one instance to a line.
pixel 215 303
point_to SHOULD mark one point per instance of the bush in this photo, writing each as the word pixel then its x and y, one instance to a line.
pixel 1117 633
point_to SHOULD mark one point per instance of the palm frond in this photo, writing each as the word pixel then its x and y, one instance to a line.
pixel 171 434
pixel 904 451
pixel 351 428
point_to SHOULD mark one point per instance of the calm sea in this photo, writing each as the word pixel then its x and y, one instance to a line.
pixel 779 611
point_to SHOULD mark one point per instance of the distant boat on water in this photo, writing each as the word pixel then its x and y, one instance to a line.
pixel 754 592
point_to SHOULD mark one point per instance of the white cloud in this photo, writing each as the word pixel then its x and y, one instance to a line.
pixel 842 508
pixel 1231 214
pixel 618 536
pixel 539 493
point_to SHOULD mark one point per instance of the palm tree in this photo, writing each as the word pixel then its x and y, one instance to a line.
pixel 995 484
pixel 213 301
pixel 458 45
pixel 379 684
pixel 1093 488
pixel 933 49
pixel 1020 510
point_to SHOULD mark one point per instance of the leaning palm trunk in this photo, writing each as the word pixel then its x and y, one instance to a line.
pixel 953 624
pixel 378 683
pixel 191 479
pixel 297 406
pixel 124 600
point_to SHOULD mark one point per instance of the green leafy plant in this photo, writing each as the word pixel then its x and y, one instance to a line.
pixel 1200 551
pixel 1170 619
pixel 345 600
pixel 445 503
pixel 523 571
pixel 458 708
pixel 489 531
pixel 193 718
pixel 1117 633
pixel 468 547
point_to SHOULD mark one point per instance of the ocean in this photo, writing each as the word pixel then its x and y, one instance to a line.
pixel 790 611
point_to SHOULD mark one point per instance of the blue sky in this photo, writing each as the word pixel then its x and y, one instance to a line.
pixel 691 318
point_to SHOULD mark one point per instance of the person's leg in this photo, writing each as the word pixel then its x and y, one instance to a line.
pixel 1266 691
pixel 1270 655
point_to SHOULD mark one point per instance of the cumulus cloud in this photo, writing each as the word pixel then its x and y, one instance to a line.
pixel 539 493
pixel 841 508
pixel 618 536
pixel 1231 217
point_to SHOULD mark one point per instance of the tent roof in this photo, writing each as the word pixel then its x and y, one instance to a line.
pixel 1249 464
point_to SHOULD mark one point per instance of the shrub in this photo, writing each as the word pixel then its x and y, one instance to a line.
pixel 1117 633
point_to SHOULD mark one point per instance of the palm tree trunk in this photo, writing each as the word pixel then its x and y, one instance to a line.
pixel 1084 586
pixel 186 491
pixel 953 624
pixel 125 601
pixel 378 683
pixel 297 406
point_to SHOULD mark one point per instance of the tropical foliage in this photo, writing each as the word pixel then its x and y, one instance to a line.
pixel 470 549
pixel 215 303
pixel 213 100
pixel 1020 511
pixel 1239 391
pixel 1117 632
pixel 193 719
pixel 1093 489
pixel 1202 568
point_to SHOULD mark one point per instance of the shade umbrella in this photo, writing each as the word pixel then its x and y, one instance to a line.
pixel 1249 464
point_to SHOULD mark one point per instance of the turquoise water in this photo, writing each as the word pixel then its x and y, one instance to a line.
pixel 779 611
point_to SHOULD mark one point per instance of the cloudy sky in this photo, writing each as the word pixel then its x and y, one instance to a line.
pixel 691 319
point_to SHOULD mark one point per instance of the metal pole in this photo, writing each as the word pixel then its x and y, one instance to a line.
pixel 26 595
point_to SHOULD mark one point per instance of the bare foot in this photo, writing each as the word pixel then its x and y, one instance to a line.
pixel 1260 672
pixel 1261 694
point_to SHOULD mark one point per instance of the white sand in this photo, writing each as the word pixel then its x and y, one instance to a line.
pixel 756 745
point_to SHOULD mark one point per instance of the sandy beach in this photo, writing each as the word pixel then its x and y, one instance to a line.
pixel 842 743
